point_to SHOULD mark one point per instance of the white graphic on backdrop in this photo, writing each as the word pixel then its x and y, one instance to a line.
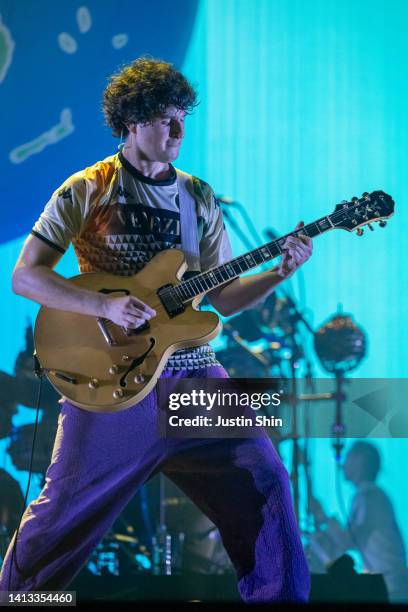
pixel 84 19
pixel 67 42
pixel 53 135
pixel 119 41
pixel 6 50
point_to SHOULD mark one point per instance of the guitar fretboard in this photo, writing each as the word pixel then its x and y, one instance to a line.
pixel 204 282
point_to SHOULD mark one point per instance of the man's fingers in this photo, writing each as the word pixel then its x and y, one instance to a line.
pixel 295 241
pixel 299 254
pixel 295 251
pixel 137 313
pixel 133 323
pixel 139 306
pixel 296 255
pixel 304 239
pixel 128 323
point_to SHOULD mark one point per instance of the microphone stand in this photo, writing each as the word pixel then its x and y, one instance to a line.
pixel 229 203
pixel 339 427
pixel 235 226
pixel 296 317
pixel 161 541
pixel 306 457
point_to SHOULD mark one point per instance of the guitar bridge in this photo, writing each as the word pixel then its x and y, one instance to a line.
pixel 172 302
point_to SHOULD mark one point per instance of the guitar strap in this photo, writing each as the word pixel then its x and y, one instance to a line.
pixel 188 221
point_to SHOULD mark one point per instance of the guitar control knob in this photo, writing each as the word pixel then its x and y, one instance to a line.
pixel 360 231
pixel 93 383
pixel 382 223
pixel 113 369
pixel 118 393
pixel 139 378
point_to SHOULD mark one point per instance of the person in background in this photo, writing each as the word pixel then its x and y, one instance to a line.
pixel 371 529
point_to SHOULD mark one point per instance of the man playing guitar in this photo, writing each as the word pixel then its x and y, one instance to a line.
pixel 118 214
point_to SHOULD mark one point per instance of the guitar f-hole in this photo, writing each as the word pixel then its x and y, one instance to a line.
pixel 137 362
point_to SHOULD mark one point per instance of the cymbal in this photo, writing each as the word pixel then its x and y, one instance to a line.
pixel 121 537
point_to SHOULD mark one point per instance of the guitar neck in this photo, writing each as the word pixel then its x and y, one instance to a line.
pixel 204 282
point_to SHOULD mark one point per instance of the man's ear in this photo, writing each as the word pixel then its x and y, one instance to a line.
pixel 132 128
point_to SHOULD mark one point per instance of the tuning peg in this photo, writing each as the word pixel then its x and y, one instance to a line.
pixel 360 231
pixel 370 227
pixel 354 199
pixel 382 223
pixel 366 195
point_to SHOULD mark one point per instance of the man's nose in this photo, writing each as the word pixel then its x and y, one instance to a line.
pixel 176 129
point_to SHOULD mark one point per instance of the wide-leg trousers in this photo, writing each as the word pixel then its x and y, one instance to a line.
pixel 99 461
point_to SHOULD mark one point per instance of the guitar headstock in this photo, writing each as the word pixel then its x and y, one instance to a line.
pixel 353 215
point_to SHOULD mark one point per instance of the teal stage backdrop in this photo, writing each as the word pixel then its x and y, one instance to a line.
pixel 303 104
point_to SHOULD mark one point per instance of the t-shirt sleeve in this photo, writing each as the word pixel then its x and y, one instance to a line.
pixel 63 216
pixel 215 246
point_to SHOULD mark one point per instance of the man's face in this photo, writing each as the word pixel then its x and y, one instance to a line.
pixel 353 467
pixel 160 140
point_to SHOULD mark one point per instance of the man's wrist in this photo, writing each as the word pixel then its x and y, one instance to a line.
pixel 101 305
pixel 280 273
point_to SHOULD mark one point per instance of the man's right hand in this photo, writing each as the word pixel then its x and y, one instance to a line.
pixel 127 311
pixel 34 278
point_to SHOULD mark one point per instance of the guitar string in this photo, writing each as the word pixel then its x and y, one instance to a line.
pixel 203 277
pixel 187 285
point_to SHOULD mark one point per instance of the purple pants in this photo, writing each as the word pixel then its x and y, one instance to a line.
pixel 100 460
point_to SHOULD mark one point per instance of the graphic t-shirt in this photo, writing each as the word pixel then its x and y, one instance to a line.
pixel 117 220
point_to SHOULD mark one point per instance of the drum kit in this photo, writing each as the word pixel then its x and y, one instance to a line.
pixel 157 546
pixel 261 341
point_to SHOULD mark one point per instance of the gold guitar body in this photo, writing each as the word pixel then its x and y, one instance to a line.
pixel 86 369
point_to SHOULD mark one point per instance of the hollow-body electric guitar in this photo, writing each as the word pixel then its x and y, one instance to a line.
pixel 102 367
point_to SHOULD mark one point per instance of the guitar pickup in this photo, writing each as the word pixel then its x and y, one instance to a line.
pixel 170 300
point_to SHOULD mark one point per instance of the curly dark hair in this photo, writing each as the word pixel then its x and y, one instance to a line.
pixel 141 92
